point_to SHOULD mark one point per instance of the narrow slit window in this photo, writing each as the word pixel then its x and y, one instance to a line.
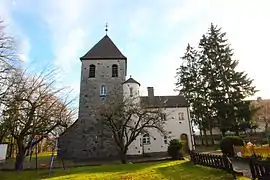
pixel 131 92
pixel 103 90
pixel 92 71
pixel 114 70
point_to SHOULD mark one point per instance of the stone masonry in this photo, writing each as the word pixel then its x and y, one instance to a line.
pixel 87 138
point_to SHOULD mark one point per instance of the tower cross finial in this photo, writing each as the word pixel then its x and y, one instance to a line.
pixel 106 28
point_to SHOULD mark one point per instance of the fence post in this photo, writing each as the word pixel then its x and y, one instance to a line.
pixel 192 157
pixel 251 168
pixel 215 161
pixel 230 166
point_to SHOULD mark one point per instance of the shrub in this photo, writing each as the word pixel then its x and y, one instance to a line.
pixel 174 149
pixel 227 143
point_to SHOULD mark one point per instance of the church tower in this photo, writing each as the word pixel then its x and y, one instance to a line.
pixel 103 69
pixel 131 89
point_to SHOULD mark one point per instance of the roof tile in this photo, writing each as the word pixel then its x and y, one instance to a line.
pixel 104 49
pixel 131 80
pixel 164 101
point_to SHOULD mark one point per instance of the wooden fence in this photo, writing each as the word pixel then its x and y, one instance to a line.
pixel 214 161
pixel 260 169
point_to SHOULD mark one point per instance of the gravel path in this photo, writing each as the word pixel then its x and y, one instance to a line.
pixel 241 166
pixel 238 165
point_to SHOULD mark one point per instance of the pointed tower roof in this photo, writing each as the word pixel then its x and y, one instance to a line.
pixel 104 49
pixel 131 80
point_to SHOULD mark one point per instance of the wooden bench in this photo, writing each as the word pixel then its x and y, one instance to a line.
pixel 260 169
pixel 214 161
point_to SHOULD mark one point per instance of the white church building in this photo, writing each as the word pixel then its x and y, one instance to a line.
pixel 176 120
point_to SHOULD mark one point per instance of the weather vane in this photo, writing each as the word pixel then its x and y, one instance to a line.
pixel 106 28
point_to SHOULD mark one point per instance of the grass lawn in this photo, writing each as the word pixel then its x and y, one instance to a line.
pixel 42 159
pixel 173 170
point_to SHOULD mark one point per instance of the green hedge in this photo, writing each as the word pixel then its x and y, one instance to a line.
pixel 174 149
pixel 227 143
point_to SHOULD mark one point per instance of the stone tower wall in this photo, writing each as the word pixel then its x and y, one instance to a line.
pixel 87 138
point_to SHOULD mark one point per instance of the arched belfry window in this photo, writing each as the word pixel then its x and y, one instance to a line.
pixel 114 70
pixel 92 71
pixel 103 90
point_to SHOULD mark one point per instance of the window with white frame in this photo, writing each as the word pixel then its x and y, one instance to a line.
pixel 146 139
pixel 181 116
pixel 103 90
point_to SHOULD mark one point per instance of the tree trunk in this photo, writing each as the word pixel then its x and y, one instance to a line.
pixel 212 138
pixel 223 132
pixel 20 156
pixel 205 137
pixel 11 145
pixel 2 138
pixel 41 146
pixel 201 137
pixel 236 132
pixel 123 157
pixel 3 135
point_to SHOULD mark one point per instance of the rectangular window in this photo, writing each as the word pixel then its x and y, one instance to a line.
pixel 146 139
pixel 181 116
pixel 114 70
pixel 165 140
pixel 163 117
pixel 92 71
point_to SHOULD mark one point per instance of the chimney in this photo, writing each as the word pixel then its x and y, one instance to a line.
pixel 150 91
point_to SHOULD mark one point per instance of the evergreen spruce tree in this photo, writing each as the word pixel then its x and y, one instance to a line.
pixel 227 87
pixel 189 84
pixel 213 87
pixel 187 74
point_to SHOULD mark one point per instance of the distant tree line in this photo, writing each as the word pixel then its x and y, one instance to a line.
pixel 215 89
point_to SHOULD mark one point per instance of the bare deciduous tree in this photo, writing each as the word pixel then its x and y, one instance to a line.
pixel 127 118
pixel 8 57
pixel 8 60
pixel 33 107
